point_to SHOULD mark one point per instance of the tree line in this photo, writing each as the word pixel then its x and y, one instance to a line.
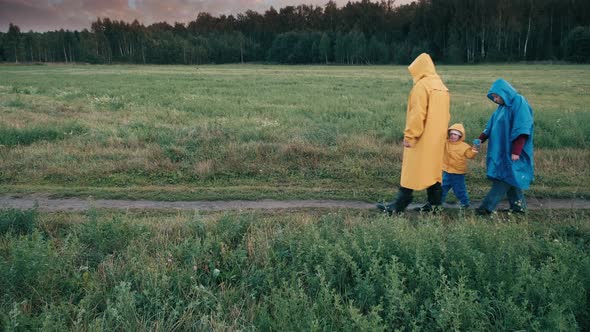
pixel 363 32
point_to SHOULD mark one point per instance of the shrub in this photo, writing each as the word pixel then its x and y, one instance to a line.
pixel 17 221
pixel 37 270
pixel 104 237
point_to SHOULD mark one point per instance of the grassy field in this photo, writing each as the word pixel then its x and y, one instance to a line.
pixel 253 131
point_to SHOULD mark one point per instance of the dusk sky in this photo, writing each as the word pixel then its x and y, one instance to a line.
pixel 45 15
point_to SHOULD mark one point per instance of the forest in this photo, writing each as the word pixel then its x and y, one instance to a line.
pixel 363 32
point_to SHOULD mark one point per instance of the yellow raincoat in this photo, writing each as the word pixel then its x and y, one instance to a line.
pixel 456 153
pixel 427 120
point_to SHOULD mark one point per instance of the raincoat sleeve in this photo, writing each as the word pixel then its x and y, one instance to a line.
pixel 469 153
pixel 417 112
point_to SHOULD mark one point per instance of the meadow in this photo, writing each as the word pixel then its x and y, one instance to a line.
pixel 255 131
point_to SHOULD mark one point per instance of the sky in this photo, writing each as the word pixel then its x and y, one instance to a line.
pixel 49 15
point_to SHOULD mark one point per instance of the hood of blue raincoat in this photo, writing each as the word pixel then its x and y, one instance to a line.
pixel 503 89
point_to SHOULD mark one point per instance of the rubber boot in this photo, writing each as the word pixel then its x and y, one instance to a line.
pixel 404 198
pixel 385 207
pixel 434 194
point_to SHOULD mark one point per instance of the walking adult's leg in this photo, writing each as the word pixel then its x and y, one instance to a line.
pixel 434 194
pixel 516 200
pixel 403 199
pixel 496 193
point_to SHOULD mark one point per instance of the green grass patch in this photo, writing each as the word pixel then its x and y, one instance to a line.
pixel 297 270
pixel 10 137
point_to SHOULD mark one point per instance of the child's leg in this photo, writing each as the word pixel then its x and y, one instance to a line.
pixel 460 189
pixel 446 185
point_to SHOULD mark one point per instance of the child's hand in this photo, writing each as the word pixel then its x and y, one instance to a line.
pixel 476 145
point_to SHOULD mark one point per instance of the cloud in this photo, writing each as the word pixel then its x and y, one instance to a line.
pixel 45 15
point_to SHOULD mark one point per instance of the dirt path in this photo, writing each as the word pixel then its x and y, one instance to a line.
pixel 44 203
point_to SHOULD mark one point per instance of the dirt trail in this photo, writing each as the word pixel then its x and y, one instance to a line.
pixel 44 203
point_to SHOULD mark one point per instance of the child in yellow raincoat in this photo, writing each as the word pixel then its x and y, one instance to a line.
pixel 455 164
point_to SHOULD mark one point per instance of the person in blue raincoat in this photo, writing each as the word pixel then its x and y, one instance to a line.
pixel 509 159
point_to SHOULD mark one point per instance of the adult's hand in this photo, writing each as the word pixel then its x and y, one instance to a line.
pixel 406 143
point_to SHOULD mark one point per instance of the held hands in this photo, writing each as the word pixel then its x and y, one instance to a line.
pixel 476 145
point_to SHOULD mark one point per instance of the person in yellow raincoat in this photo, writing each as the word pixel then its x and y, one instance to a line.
pixel 455 164
pixel 427 120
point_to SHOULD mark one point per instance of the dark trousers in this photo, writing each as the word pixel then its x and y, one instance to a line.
pixel 405 196
pixel 501 189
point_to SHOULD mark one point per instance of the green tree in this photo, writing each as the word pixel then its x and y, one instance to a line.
pixel 12 44
pixel 340 48
pixel 324 47
pixel 363 31
pixel 377 51
pixel 201 50
pixel 454 51
pixel 102 46
pixel 29 40
pixel 578 45
pixel 2 57
pixel 357 47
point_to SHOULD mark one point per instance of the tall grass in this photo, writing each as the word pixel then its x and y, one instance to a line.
pixel 12 137
pixel 296 271
pixel 17 221
pixel 308 130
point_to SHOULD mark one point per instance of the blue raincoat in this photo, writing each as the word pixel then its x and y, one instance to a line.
pixel 509 121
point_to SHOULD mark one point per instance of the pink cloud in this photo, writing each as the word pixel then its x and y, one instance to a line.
pixel 44 15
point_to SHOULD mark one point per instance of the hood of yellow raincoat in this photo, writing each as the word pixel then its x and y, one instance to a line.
pixel 421 67
pixel 459 127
